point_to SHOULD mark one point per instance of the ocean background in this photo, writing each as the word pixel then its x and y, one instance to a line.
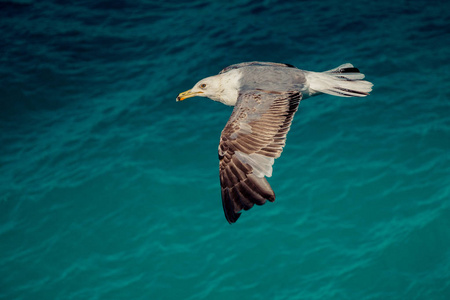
pixel 110 189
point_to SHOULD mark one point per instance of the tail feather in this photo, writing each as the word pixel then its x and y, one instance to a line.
pixel 343 81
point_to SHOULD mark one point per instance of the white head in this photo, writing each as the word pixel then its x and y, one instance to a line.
pixel 208 87
pixel 222 88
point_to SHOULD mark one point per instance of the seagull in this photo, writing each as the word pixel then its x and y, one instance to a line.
pixel 265 97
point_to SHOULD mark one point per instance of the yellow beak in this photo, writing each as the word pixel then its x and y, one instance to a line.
pixel 187 94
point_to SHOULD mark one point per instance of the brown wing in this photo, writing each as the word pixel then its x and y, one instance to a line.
pixel 253 137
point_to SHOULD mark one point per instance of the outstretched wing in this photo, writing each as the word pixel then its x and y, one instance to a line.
pixel 253 137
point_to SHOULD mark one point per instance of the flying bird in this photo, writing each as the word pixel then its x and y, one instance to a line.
pixel 265 97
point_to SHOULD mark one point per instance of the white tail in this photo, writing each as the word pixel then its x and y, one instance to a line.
pixel 343 81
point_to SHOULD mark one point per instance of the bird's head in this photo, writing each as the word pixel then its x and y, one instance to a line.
pixel 208 87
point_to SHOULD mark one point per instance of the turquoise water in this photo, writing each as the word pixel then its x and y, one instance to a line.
pixel 110 189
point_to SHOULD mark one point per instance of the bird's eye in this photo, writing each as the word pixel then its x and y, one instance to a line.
pixel 203 85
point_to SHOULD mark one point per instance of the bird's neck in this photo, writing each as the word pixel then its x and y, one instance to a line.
pixel 229 86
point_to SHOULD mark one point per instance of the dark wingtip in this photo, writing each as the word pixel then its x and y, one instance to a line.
pixel 289 65
pixel 348 92
pixel 228 207
pixel 231 216
pixel 234 219
pixel 350 70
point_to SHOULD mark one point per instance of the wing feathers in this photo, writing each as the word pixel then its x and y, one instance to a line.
pixel 253 137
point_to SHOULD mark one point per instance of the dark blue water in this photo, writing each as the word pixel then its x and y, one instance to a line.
pixel 110 189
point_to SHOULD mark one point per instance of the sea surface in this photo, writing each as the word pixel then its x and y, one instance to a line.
pixel 110 189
